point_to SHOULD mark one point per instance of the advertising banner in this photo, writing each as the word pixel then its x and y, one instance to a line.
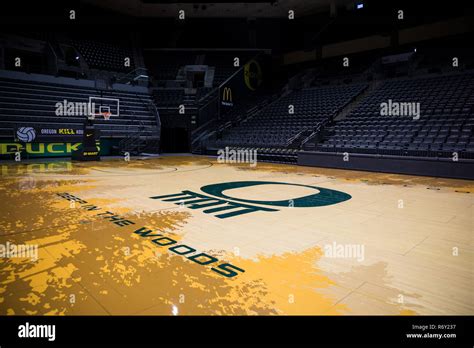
pixel 28 134
pixel 244 83
pixel 10 149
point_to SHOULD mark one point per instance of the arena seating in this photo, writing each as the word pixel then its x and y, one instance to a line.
pixel 445 125
pixel 223 62
pixel 203 92
pixel 33 103
pixel 168 96
pixel 274 126
pixel 331 69
pixel 104 56
pixel 165 65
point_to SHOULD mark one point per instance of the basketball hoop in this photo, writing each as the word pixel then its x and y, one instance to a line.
pixel 106 115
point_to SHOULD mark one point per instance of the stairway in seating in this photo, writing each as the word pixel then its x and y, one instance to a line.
pixel 352 105
pixel 325 128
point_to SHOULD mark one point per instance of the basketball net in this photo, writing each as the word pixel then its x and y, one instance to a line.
pixel 106 115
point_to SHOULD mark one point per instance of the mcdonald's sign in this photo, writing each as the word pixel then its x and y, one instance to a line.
pixel 226 98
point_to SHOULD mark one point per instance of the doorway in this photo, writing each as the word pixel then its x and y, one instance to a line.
pixel 174 140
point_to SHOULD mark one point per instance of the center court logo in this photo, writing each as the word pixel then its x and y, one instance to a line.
pixel 225 206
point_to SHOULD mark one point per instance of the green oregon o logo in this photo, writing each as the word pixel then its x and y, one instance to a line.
pixel 252 75
pixel 322 198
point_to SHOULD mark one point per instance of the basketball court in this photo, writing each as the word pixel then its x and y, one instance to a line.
pixel 182 235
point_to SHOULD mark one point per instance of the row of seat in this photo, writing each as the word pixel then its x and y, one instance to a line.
pixel 104 56
pixel 30 103
pixel 292 114
pixel 445 121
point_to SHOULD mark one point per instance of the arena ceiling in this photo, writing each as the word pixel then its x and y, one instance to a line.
pixel 218 9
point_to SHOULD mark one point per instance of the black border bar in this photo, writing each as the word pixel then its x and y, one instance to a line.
pixel 289 330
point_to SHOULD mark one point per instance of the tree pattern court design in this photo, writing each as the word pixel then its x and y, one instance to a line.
pixel 164 236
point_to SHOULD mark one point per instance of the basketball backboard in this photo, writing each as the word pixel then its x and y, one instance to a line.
pixel 101 106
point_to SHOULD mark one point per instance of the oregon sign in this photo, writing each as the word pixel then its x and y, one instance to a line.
pixel 43 149
pixel 252 75
pixel 225 206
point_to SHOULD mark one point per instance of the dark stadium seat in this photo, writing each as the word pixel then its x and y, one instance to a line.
pixel 274 126
pixel 33 103
pixel 444 125
pixel 223 63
